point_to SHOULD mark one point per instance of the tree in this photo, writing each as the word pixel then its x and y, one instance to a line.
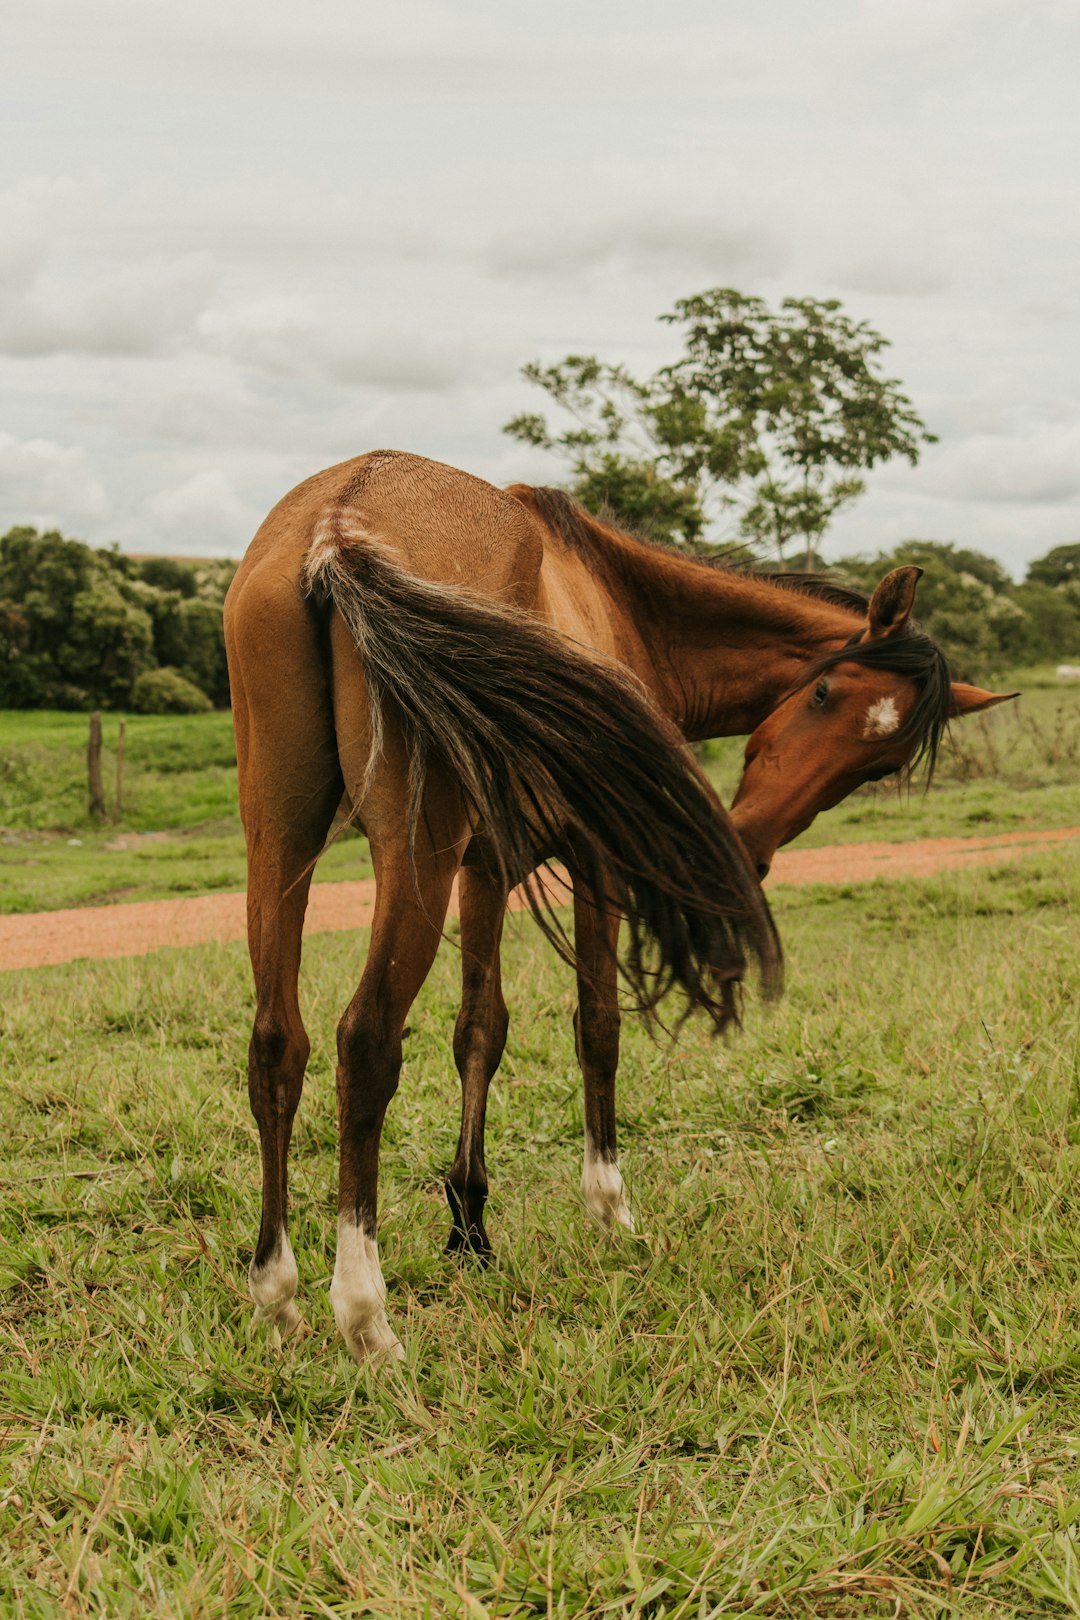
pixel 617 460
pixel 1061 566
pixel 188 636
pixel 109 642
pixel 79 628
pixel 167 574
pixel 1051 624
pixel 971 606
pixel 767 419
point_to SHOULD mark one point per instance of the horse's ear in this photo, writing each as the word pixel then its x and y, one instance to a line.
pixel 972 699
pixel 892 602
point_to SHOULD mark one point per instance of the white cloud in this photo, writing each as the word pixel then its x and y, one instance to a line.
pixel 215 416
pixel 141 309
pixel 203 516
pixel 1036 468
pixel 647 241
pixel 284 336
pixel 47 484
pixel 895 278
pixel 20 261
pixel 256 239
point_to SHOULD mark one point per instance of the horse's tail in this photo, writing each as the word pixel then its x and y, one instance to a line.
pixel 555 752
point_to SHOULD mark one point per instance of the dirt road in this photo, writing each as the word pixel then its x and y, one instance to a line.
pixel 39 938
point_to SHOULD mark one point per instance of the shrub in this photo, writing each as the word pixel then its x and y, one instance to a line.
pixel 165 691
pixel 188 636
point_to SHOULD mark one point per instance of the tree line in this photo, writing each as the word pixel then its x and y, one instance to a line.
pixel 86 629
pixel 984 620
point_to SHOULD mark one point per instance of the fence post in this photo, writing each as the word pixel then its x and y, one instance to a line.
pixel 118 803
pixel 93 769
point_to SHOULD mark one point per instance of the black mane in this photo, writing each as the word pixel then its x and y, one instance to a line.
pixel 819 586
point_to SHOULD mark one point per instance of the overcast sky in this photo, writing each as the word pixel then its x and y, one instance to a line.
pixel 240 242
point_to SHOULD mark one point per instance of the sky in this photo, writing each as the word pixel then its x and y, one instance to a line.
pixel 240 242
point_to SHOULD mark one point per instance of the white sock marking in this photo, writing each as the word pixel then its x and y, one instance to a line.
pixel 272 1288
pixel 882 718
pixel 602 1189
pixel 359 1295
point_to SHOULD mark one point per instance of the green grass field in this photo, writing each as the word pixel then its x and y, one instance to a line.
pixel 179 832
pixel 836 1374
pixel 1017 768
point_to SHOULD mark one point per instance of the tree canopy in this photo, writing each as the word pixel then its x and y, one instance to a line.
pixel 758 432
pixel 985 622
pixel 82 628
pixel 1061 566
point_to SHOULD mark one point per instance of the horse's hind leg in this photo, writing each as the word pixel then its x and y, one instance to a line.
pixel 278 883
pixel 405 935
pixel 290 784
pixel 479 1038
pixel 596 1030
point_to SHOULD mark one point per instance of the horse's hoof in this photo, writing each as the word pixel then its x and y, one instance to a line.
pixel 605 1194
pixel 470 1246
pixel 273 1286
pixel 282 1318
pixel 358 1295
pixel 372 1341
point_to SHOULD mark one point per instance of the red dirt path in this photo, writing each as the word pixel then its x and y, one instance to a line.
pixel 37 939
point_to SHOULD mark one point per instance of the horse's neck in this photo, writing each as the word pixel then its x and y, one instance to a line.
pixel 725 647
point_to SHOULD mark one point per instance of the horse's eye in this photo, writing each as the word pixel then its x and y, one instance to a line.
pixel 821 692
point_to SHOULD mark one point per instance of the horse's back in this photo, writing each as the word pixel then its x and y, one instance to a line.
pixel 443 525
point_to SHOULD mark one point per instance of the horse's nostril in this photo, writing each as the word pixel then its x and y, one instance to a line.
pixel 762 870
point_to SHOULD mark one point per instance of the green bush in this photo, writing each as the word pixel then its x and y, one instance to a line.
pixel 166 691
pixel 79 626
pixel 188 636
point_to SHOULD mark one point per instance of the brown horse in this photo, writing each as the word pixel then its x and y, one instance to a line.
pixel 489 678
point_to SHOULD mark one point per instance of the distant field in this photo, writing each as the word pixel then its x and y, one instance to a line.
pixel 1016 768
pixel 180 828
pixel 836 1373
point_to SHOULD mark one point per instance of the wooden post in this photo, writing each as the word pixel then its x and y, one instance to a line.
pixel 118 804
pixel 93 768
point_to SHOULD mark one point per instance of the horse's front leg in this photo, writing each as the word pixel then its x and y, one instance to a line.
pixel 479 1039
pixel 405 935
pixel 596 1030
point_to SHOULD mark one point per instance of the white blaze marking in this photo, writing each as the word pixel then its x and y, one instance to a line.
pixel 602 1189
pixel 272 1289
pixel 359 1295
pixel 882 718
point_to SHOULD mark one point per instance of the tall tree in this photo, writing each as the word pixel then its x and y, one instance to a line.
pixel 1060 566
pixel 763 426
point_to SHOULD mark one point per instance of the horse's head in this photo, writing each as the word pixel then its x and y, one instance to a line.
pixel 872 708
